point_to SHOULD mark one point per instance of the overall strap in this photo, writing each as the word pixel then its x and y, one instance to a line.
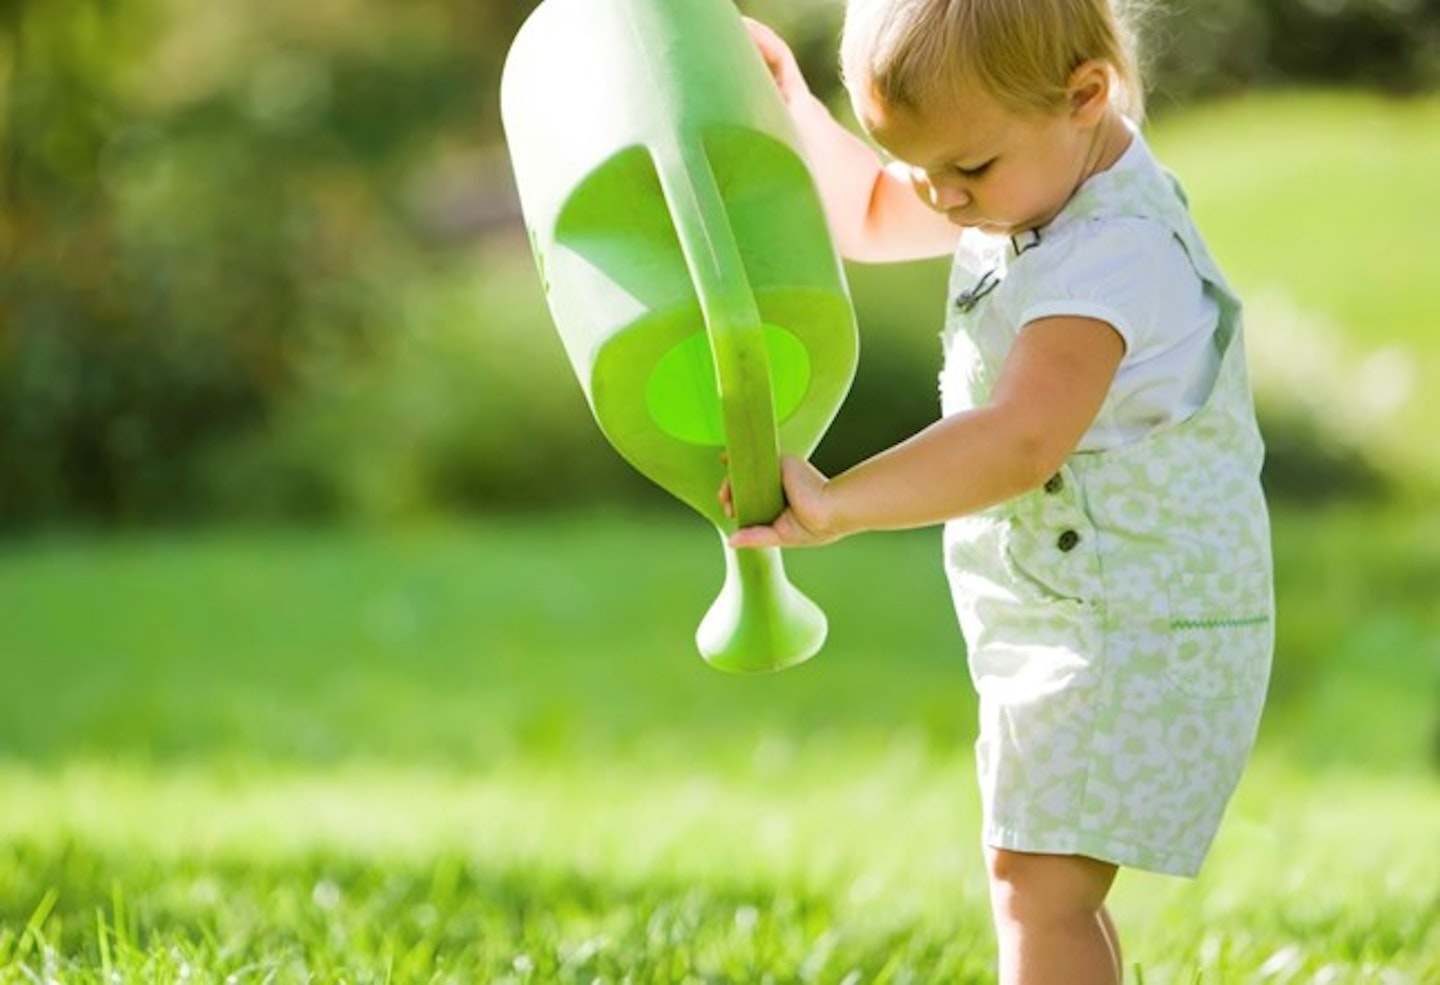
pixel 1156 194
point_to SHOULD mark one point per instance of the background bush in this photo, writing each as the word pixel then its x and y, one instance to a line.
pixel 263 258
pixel 1210 47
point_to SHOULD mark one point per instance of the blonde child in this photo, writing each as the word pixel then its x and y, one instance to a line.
pixel 1097 462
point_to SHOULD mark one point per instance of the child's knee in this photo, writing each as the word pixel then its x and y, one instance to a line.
pixel 1027 887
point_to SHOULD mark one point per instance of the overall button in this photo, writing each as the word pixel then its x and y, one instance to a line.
pixel 1055 483
pixel 1067 541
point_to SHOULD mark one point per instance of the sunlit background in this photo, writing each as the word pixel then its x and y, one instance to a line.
pixel 337 645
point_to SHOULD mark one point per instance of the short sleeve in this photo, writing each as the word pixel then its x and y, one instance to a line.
pixel 1127 272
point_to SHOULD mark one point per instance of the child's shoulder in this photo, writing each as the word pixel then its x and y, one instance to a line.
pixel 1129 263
pixel 1103 240
pixel 1136 185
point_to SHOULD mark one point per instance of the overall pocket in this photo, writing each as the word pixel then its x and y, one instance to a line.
pixel 1222 632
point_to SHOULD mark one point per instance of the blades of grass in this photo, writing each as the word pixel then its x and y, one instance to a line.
pixel 102 940
pixel 31 937
pixel 120 920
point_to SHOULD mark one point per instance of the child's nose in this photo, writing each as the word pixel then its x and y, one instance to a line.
pixel 946 192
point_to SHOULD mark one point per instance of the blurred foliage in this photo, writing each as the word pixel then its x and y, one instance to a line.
pixel 206 211
pixel 1208 47
pixel 263 257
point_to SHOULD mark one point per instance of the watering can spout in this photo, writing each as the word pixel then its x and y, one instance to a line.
pixel 760 622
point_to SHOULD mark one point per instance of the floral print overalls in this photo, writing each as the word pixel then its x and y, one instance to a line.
pixel 1120 621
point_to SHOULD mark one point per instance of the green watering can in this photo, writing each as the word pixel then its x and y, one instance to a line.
pixel 689 271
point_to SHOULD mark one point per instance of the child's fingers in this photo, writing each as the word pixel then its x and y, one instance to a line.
pixel 755 537
pixel 777 54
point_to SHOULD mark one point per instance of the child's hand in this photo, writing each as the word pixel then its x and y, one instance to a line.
pixel 780 60
pixel 803 523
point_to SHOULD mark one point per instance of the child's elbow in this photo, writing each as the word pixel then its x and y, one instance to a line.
pixel 1037 458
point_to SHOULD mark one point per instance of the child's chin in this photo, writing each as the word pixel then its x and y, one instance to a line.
pixel 988 226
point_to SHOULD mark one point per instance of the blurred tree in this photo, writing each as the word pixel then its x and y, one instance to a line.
pixel 1207 47
pixel 183 243
pixel 63 427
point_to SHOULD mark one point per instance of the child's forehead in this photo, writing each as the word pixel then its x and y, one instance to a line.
pixel 939 131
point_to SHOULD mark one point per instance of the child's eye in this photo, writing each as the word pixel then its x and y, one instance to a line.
pixel 975 172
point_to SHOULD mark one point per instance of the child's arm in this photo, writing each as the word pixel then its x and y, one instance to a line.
pixel 1047 395
pixel 873 210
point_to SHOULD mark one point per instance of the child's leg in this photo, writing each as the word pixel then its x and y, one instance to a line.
pixel 1050 919
pixel 1112 937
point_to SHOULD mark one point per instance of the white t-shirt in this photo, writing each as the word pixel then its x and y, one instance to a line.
pixel 1133 274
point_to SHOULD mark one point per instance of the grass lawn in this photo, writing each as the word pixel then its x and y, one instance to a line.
pixel 488 753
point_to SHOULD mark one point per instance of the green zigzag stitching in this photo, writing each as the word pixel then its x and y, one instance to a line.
pixel 1231 623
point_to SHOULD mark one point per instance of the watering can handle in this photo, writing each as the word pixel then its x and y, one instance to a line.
pixel 736 333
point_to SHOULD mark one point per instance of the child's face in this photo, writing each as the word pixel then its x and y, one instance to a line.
pixel 984 165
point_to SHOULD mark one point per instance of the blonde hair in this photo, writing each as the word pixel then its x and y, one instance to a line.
pixel 909 53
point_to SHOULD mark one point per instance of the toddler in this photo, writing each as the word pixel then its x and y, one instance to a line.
pixel 1096 465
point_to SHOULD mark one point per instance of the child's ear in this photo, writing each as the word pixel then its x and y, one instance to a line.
pixel 1090 91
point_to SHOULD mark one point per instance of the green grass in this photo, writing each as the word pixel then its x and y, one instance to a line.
pixel 488 753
